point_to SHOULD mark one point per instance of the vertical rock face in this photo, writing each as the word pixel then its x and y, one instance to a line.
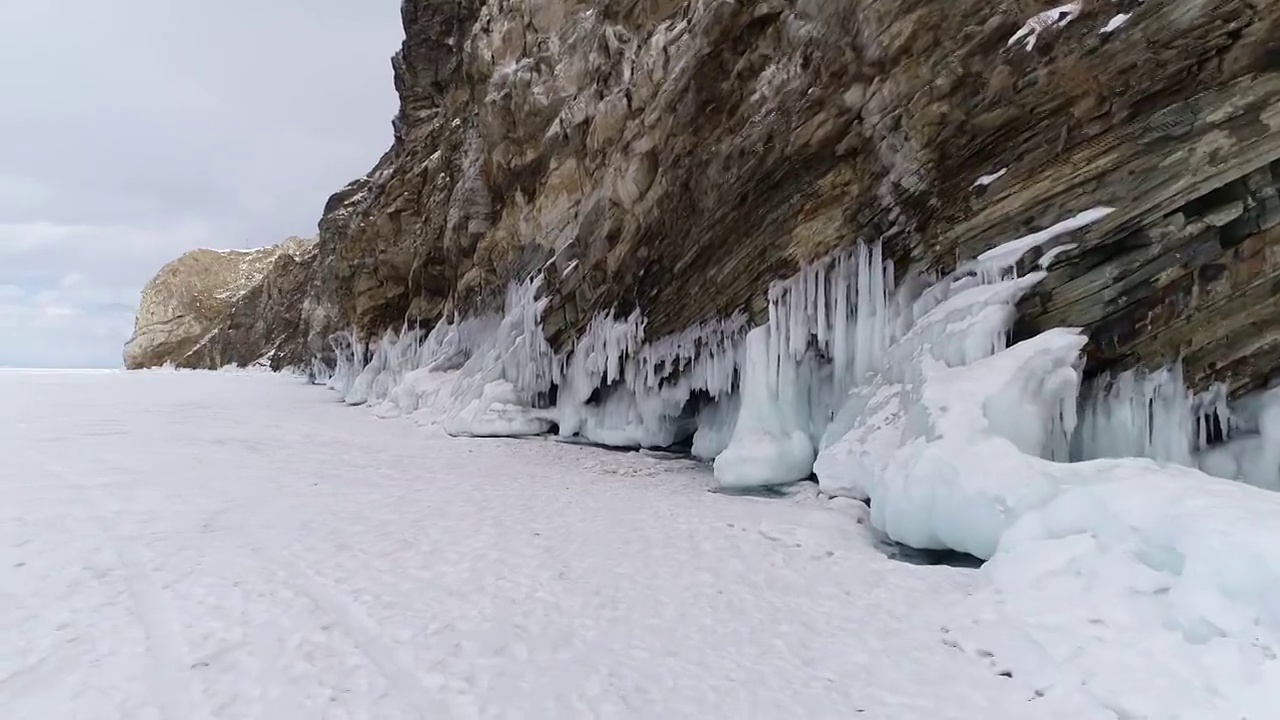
pixel 676 156
pixel 211 308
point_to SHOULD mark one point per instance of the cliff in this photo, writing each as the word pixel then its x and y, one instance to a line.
pixel 678 156
pixel 211 308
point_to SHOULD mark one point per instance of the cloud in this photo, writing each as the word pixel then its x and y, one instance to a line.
pixel 138 129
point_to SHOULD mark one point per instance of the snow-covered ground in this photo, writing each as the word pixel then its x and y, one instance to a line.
pixel 199 545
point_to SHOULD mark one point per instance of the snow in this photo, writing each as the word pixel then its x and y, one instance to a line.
pixel 1054 17
pixel 241 545
pixel 985 180
pixel 1178 568
pixel 201 545
pixel 1006 254
pixel 1114 23
pixel 1052 254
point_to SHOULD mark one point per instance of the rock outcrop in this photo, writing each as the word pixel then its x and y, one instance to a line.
pixel 676 156
pixel 211 308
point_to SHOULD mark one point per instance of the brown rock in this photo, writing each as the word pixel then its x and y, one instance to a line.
pixel 686 154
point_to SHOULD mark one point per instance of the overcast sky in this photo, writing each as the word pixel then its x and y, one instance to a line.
pixel 134 130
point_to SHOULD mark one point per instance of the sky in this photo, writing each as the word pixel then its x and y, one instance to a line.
pixel 132 131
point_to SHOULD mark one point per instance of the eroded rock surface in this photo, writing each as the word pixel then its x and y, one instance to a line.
pixel 679 155
pixel 211 308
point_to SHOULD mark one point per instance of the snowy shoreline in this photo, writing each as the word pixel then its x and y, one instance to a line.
pixel 911 398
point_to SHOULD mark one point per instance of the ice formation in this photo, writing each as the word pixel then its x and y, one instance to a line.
pixel 478 376
pixel 1250 452
pixel 1050 255
pixel 1153 415
pixel 824 384
pixel 495 375
pixel 911 398
pixel 829 327
pixel 758 405
pixel 1138 415
pixel 984 180
pixel 1114 23
pixel 1055 17
pixel 772 441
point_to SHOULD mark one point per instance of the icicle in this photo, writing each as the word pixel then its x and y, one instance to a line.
pixel 1139 415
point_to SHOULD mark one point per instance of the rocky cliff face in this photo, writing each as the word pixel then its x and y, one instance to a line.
pixel 676 156
pixel 211 308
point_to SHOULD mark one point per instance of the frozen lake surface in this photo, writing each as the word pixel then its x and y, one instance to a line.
pixel 200 545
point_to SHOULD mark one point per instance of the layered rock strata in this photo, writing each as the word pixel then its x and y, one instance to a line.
pixel 676 157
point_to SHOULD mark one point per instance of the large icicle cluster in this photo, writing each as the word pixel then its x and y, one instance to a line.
pixel 1154 415
pixel 841 344
pixel 841 327
pixel 759 405
pixel 1138 415
pixel 496 375
pixel 956 323
pixel 828 327
pixel 476 376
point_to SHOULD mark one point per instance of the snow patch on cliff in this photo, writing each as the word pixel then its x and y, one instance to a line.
pixel 1057 17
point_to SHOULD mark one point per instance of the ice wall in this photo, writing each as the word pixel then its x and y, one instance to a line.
pixel 841 345
pixel 828 326
pixel 496 375
pixel 759 407
pixel 1251 450
pixel 474 376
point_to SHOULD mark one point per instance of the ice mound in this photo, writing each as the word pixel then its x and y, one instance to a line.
pixel 1148 589
pixel 771 442
pixel 911 454
pixel 478 376
pixel 1126 586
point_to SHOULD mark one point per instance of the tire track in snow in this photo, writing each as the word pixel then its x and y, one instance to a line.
pixel 177 692
pixel 178 695
pixel 352 621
